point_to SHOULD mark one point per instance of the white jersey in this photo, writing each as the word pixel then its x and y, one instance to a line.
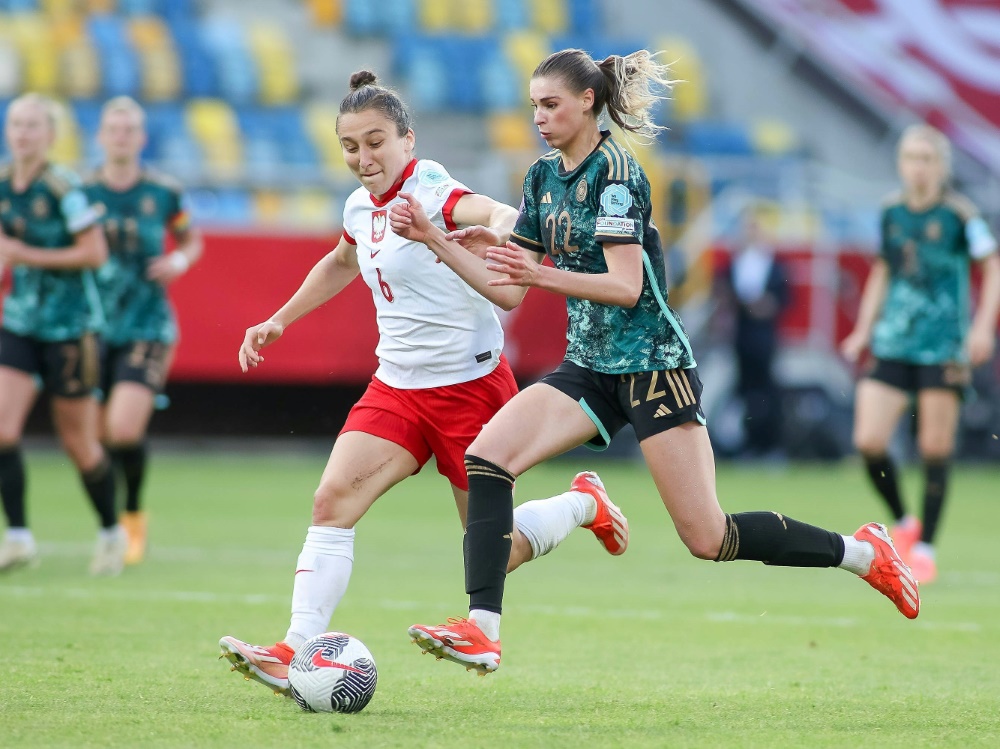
pixel 434 329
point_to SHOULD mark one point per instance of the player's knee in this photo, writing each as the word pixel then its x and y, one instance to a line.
pixel 123 434
pixel 328 503
pixel 869 445
pixel 935 448
pixel 10 435
pixel 702 543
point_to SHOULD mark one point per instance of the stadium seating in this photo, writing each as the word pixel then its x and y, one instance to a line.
pixel 226 106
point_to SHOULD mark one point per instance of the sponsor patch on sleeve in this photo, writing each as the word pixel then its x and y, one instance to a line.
pixel 609 225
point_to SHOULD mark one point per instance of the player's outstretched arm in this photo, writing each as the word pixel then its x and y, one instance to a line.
pixel 983 332
pixel 620 286
pixel 326 279
pixel 871 303
pixel 168 268
pixel 410 222
pixel 89 250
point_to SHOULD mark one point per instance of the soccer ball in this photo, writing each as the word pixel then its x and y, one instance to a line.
pixel 332 673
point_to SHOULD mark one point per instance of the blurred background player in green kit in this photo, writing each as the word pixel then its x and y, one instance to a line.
pixel 915 315
pixel 51 242
pixel 141 208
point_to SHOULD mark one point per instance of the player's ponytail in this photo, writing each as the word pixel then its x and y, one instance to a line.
pixel 626 87
pixel 367 94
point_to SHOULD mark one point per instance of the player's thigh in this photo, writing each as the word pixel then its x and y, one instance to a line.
pixel 937 422
pixel 682 465
pixel 361 468
pixel 536 424
pixel 877 409
pixel 127 413
pixel 77 422
pixel 18 392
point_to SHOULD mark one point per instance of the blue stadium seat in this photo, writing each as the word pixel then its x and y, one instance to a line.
pixel 719 138
pixel 599 46
pixel 138 7
pixel 464 56
pixel 584 15
pixel 398 16
pixel 500 83
pixel 177 10
pixel 511 14
pixel 119 64
pixel 163 122
pixel 226 42
pixel 276 132
pixel 362 17
pixel 198 73
pixel 20 6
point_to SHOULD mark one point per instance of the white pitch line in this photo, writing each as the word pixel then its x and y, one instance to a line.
pixel 568 612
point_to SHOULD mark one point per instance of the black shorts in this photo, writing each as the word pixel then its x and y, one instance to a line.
pixel 912 378
pixel 142 362
pixel 652 402
pixel 68 369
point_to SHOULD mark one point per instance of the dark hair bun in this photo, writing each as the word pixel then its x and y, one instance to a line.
pixel 363 78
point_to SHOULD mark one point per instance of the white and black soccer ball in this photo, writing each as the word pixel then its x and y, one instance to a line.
pixel 332 673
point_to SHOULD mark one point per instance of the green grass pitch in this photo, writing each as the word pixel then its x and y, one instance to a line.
pixel 652 649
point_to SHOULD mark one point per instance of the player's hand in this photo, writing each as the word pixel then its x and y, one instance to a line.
pixel 409 220
pixel 257 338
pixel 168 268
pixel 476 239
pixel 853 346
pixel 980 345
pixel 11 251
pixel 519 268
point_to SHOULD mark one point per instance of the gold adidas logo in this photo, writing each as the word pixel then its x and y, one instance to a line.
pixel 662 411
pixel 547 198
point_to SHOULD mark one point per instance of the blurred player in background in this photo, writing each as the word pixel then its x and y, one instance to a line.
pixel 441 373
pixel 141 208
pixel 628 360
pixel 52 242
pixel 915 316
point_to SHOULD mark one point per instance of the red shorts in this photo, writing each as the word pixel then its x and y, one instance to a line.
pixel 441 421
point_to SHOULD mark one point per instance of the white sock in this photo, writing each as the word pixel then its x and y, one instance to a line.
pixel 321 577
pixel 547 522
pixel 110 534
pixel 487 621
pixel 858 556
pixel 20 535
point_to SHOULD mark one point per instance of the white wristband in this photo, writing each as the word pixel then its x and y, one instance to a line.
pixel 179 261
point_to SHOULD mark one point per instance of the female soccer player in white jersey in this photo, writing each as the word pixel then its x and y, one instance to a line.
pixel 441 374
pixel 915 315
pixel 628 360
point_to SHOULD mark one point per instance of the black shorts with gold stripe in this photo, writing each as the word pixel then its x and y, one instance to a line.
pixel 142 362
pixel 68 369
pixel 652 402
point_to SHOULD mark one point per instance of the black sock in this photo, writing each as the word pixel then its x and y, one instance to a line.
pixel 130 461
pixel 882 472
pixel 488 533
pixel 12 486
pixel 935 489
pixel 773 539
pixel 100 485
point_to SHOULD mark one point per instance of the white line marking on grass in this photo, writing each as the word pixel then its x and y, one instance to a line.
pixel 731 617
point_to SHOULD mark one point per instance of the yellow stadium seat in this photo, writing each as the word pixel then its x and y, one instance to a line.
pixel 511 131
pixel 269 207
pixel 773 137
pixel 549 16
pixel 214 126
pixel 326 12
pixel 81 75
pixel 39 55
pixel 435 15
pixel 473 16
pixel 272 51
pixel 158 61
pixel 313 209
pixel 66 149
pixel 690 95
pixel 93 7
pixel 321 124
pixel 60 8
pixel 525 49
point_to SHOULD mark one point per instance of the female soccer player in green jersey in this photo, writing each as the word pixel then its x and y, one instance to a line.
pixel 628 360
pixel 914 315
pixel 51 241
pixel 141 207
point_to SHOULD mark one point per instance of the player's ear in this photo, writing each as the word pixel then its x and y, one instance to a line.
pixel 587 99
pixel 410 140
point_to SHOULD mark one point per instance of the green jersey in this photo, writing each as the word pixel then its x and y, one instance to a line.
pixel 569 216
pixel 925 315
pixel 136 222
pixel 48 305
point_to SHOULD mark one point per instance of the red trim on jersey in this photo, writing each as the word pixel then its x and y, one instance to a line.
pixel 349 238
pixel 394 190
pixel 449 206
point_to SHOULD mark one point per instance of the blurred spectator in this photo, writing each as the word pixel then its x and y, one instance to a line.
pixel 755 289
